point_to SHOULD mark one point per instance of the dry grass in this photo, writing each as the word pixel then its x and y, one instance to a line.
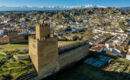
pixel 11 47
pixel 62 43
pixel 119 65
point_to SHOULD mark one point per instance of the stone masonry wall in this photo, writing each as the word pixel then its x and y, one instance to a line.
pixel 15 38
pixel 18 39
pixel 71 46
pixel 47 55
pixel 42 30
pixel 33 51
pixel 73 56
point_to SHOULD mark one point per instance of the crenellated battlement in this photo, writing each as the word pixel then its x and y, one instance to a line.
pixel 32 36
pixel 42 31
pixel 68 47
pixel 15 38
pixel 13 31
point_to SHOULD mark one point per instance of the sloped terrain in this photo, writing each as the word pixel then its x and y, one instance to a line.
pixel 117 69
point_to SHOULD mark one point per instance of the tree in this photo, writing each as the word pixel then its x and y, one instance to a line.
pixel 122 26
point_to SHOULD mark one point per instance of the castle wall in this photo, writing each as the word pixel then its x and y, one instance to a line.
pixel 71 46
pixel 33 43
pixel 73 55
pixel 47 54
pixel 49 61
pixel 17 39
pixel 47 57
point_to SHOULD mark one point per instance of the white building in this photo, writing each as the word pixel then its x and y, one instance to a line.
pixel 128 55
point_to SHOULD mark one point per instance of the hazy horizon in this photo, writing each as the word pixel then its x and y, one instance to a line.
pixel 47 3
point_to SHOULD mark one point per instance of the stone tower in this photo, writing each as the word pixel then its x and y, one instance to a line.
pixel 12 36
pixel 42 31
pixel 15 38
pixel 43 51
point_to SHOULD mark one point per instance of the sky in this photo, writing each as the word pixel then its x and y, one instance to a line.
pixel 38 3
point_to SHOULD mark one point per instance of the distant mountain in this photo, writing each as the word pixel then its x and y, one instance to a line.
pixel 125 8
pixel 29 8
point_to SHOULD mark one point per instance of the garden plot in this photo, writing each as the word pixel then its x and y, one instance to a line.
pixel 14 68
pixel 127 69
pixel 118 66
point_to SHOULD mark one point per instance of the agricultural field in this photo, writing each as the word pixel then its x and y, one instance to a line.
pixel 120 65
pixel 11 68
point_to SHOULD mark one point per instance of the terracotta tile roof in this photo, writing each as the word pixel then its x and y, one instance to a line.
pixel 4 40
pixel 100 45
pixel 96 48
